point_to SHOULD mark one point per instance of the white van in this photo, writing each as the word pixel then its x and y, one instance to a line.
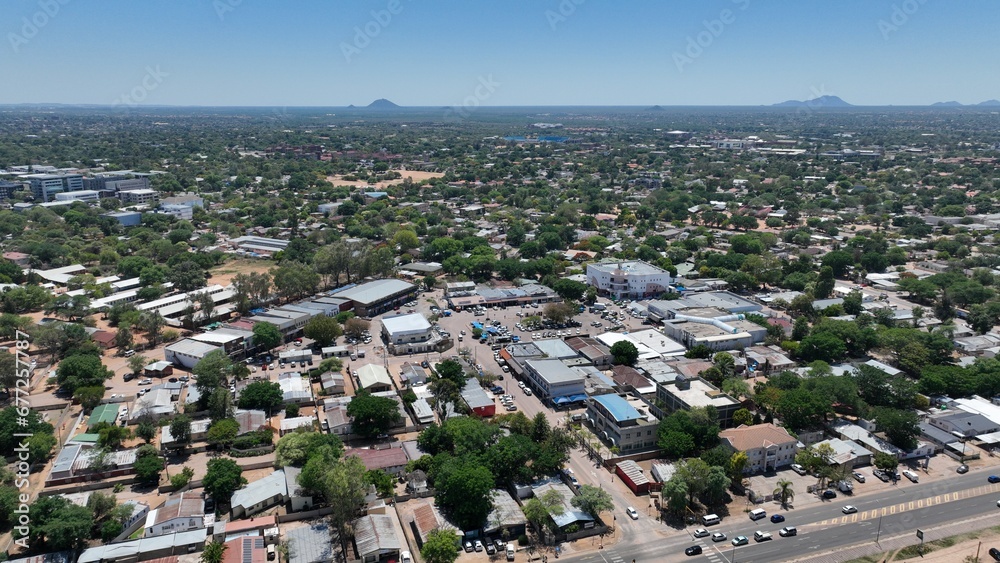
pixel 510 552
pixel 710 519
pixel 911 476
pixel 758 513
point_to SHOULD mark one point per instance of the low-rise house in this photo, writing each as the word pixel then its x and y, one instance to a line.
pixel 391 460
pixel 375 538
pixel 260 495
pixel 310 544
pixel 332 383
pixel 768 447
pixel 476 398
pixel 147 548
pixel 246 550
pixel 373 378
pixel 181 512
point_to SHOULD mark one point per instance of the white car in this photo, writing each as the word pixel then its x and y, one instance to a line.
pixel 632 513
pixel 849 509
pixel 718 536
pixel 405 557
pixel 701 533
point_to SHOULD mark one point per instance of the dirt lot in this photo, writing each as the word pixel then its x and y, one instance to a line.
pixel 415 175
pixel 224 274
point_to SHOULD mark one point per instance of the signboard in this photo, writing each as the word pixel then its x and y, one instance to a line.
pixel 588 525
pixel 920 535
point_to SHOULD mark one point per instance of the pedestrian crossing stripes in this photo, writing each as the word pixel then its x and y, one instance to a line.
pixel 898 508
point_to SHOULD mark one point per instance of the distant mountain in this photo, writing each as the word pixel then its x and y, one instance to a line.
pixel 382 103
pixel 820 102
pixel 952 104
pixel 655 108
pixel 989 103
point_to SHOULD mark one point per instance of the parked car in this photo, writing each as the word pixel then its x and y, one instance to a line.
pixel 798 469
pixel 478 546
pixel 881 475
pixel 468 547
pixel 963 468
pixel 829 494
pixel 858 477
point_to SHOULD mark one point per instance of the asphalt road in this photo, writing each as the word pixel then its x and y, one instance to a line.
pixel 822 529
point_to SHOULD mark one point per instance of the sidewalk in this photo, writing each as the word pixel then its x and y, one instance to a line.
pixel 891 544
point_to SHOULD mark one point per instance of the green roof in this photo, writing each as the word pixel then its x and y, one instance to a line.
pixel 86 438
pixel 103 413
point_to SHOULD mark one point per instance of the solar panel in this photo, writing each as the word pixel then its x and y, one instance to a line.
pixel 247 550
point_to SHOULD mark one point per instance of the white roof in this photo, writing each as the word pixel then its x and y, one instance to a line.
pixel 371 374
pixel 260 490
pixel 414 322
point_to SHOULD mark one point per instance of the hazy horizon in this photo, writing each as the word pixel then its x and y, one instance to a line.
pixel 517 53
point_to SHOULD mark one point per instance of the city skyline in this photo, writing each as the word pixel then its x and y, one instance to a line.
pixel 449 53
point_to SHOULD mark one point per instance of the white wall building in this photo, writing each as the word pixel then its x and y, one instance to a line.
pixel 628 280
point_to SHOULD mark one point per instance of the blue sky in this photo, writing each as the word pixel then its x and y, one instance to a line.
pixel 499 53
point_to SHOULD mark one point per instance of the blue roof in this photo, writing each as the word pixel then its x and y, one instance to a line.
pixel 618 407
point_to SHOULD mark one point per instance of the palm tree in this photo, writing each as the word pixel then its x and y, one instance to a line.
pixel 784 490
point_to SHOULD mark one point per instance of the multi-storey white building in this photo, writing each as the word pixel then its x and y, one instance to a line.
pixel 628 280
pixel 768 447
pixel 45 186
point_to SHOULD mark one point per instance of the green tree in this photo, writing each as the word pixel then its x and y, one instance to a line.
pixel 539 510
pixel 213 371
pixel 624 353
pixel 266 336
pixel 593 500
pixel 901 427
pixel 145 430
pixel 213 553
pixel 89 397
pixel 371 415
pixel 742 417
pixel 463 490
pixel 83 370
pixel 223 477
pixel 136 363
pixel 886 462
pixel 294 448
pixel 148 469
pixel 323 329
pixel 784 492
pixel 262 395
pixel 111 436
pixel 675 495
pixel 344 490
pixel 441 546
pixel 383 482
pixel 223 432
pixel 180 429
pixel 180 480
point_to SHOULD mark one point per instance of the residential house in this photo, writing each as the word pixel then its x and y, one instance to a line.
pixel 181 512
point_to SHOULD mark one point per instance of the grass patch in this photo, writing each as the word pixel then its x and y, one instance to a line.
pixel 868 559
pixel 913 551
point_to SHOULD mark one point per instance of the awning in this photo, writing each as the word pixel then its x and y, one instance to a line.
pixel 563 399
